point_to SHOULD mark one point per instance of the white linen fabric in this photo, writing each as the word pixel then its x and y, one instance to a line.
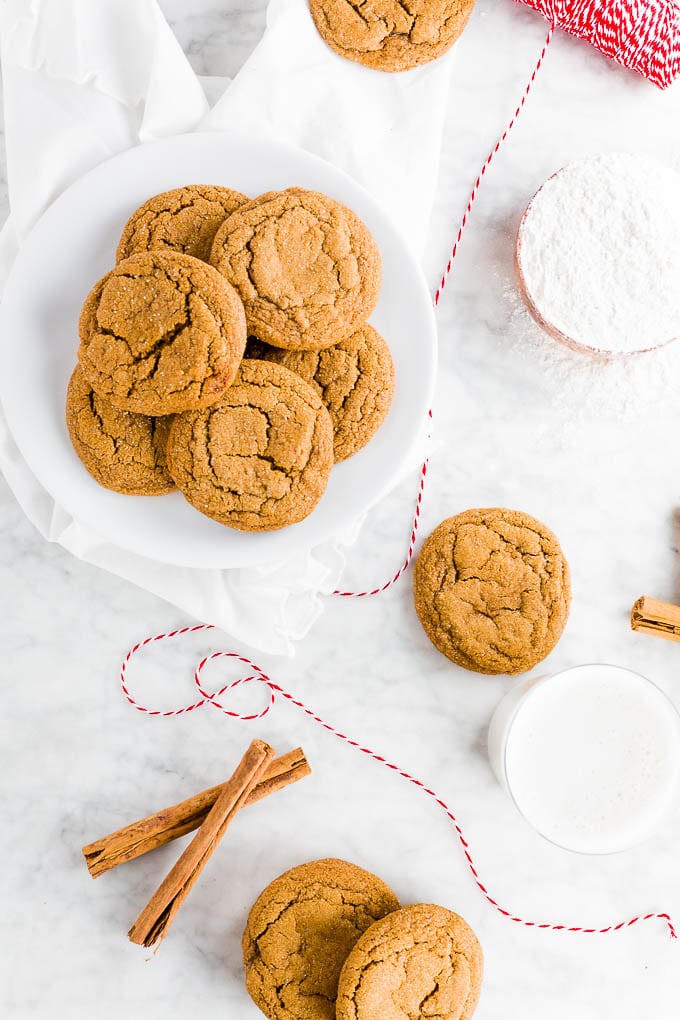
pixel 86 79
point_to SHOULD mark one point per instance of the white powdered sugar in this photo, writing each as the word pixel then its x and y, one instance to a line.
pixel 577 386
pixel 599 252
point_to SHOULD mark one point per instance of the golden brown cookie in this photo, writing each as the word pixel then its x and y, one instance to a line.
pixel 261 457
pixel 122 451
pixel 184 220
pixel 161 333
pixel 390 35
pixel 492 590
pixel 300 931
pixel 307 269
pixel 419 962
pixel 355 380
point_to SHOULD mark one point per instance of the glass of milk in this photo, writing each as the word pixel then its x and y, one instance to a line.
pixel 590 756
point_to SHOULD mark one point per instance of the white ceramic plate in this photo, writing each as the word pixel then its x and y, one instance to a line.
pixel 74 243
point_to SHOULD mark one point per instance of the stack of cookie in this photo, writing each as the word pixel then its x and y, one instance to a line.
pixel 162 396
pixel 330 941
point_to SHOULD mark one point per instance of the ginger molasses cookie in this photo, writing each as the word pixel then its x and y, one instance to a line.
pixel 387 35
pixel 122 451
pixel 355 380
pixel 492 590
pixel 415 956
pixel 260 458
pixel 184 220
pixel 300 932
pixel 161 333
pixel 306 267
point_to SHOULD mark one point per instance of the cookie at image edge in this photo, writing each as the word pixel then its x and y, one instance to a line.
pixel 161 333
pixel 300 932
pixel 389 36
pixel 184 220
pixel 492 590
pixel 416 954
pixel 260 458
pixel 306 267
pixel 355 380
pixel 122 451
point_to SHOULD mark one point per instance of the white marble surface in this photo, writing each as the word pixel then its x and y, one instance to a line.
pixel 514 427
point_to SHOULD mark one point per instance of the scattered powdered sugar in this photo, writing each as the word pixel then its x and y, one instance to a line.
pixel 599 252
pixel 577 385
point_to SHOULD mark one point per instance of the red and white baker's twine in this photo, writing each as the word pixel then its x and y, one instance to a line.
pixel 644 36
pixel 257 675
pixel 437 296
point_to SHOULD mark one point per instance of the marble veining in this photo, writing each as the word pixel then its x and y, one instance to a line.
pixel 513 427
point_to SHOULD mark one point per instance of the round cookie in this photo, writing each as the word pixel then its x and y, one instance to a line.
pixel 387 35
pixel 261 457
pixel 184 220
pixel 492 590
pixel 421 961
pixel 300 932
pixel 355 380
pixel 161 333
pixel 307 269
pixel 122 451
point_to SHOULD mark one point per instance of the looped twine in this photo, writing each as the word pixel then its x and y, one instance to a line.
pixel 207 698
pixel 257 675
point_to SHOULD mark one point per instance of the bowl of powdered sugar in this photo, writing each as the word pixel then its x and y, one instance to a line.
pixel 598 255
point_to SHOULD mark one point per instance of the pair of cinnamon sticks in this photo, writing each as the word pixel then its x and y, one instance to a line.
pixel 211 812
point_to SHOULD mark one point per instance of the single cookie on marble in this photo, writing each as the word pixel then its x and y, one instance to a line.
pixel 355 380
pixel 161 333
pixel 492 590
pixel 388 35
pixel 300 932
pixel 420 961
pixel 184 220
pixel 122 451
pixel 306 267
pixel 260 458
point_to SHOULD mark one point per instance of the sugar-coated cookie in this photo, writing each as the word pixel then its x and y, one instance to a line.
pixel 492 590
pixel 122 451
pixel 161 333
pixel 300 932
pixel 421 961
pixel 184 220
pixel 355 380
pixel 306 267
pixel 258 459
pixel 389 35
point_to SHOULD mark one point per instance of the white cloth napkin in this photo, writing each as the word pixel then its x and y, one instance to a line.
pixel 85 79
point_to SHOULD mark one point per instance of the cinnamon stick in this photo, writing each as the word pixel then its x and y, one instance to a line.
pixel 649 616
pixel 154 921
pixel 172 822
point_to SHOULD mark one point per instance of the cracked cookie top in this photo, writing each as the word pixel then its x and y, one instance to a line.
pixel 122 451
pixel 390 35
pixel 421 961
pixel 355 380
pixel 492 590
pixel 300 932
pixel 261 457
pixel 184 220
pixel 307 268
pixel 161 333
